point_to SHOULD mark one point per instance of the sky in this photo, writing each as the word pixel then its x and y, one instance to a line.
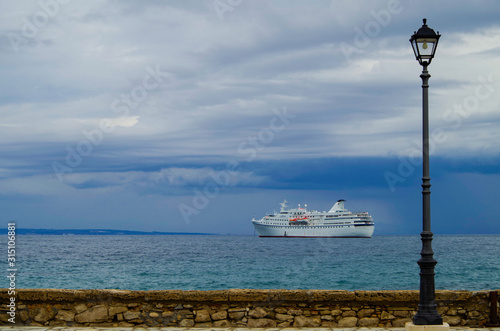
pixel 196 116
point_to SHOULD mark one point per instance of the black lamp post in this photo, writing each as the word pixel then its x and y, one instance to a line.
pixel 424 43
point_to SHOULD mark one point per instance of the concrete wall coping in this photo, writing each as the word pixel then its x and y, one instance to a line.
pixel 236 295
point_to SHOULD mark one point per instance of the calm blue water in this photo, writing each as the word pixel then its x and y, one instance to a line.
pixel 220 262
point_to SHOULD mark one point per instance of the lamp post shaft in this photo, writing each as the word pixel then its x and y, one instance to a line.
pixel 427 313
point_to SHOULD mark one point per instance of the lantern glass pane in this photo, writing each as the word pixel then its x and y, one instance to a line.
pixel 415 48
pixel 426 47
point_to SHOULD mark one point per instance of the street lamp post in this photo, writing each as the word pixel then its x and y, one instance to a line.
pixel 424 43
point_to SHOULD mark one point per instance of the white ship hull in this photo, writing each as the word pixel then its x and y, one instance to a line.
pixel 351 231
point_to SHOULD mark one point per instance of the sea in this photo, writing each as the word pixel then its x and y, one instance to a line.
pixel 216 262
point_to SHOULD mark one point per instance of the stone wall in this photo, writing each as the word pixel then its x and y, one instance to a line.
pixel 245 308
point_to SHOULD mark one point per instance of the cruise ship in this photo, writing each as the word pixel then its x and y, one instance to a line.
pixel 338 222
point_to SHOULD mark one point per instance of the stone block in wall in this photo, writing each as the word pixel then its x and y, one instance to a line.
pixel 94 314
pixel 126 325
pixel 283 317
pixel 183 312
pixel 188 316
pixel 400 322
pixel 303 321
pixel 295 312
pixel 167 314
pixel 327 318
pixel 202 316
pixel 452 320
pixel 221 324
pixel 23 315
pixel 280 310
pixel 65 315
pixel 329 324
pixel 349 313
pixel 220 315
pixel 284 324
pixel 4 318
pixel 366 312
pixel 386 316
pixel 41 315
pixel 237 315
pixel 336 312
pixel 80 308
pixel 131 315
pixel 368 322
pixel 261 323
pixel 348 322
pixel 57 323
pixel 442 310
pixel 186 323
pixel 258 312
pixel 150 323
pixel 401 313
pixel 321 307
pixel 203 325
pixel 474 314
pixel 112 311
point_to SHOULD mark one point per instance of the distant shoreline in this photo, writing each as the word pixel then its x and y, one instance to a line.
pixel 86 232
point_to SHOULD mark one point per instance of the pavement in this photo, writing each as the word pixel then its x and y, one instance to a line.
pixel 60 328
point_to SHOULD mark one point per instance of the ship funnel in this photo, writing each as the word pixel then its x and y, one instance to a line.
pixel 338 206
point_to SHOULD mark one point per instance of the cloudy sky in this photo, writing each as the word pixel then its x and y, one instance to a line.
pixel 195 116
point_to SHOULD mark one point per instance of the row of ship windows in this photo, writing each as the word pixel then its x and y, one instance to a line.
pixel 309 227
pixel 330 222
pixel 268 223
pixel 328 217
